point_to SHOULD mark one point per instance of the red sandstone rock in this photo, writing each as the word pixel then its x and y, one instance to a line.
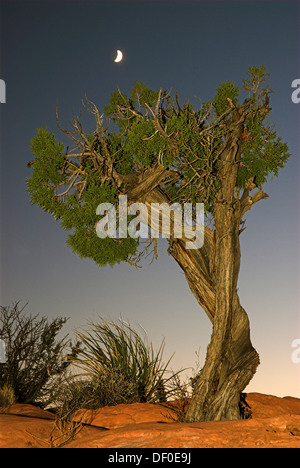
pixel 28 410
pixel 268 406
pixel 268 433
pixel 113 417
pixel 275 423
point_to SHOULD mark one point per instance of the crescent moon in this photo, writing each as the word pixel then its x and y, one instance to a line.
pixel 119 56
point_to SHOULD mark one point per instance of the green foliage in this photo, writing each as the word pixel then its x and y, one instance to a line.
pixel 49 159
pixel 253 84
pixel 264 154
pixel 143 96
pixel 74 212
pixel 152 129
pixel 81 215
pixel 117 99
pixel 143 144
pixel 108 251
pixel 262 158
pixel 43 145
pixel 111 348
pixel 225 90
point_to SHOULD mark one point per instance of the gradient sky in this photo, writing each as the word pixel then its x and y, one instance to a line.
pixel 56 51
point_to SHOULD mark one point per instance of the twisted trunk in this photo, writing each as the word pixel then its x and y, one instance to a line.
pixel 231 360
pixel 212 275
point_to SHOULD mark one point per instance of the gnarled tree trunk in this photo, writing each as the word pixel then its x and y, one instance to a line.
pixel 231 360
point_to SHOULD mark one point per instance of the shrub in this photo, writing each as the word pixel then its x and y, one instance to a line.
pixel 7 396
pixel 116 354
pixel 34 356
pixel 105 390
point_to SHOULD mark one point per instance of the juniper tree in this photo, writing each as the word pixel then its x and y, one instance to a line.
pixel 153 149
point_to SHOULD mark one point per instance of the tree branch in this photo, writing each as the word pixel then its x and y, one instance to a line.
pixel 247 201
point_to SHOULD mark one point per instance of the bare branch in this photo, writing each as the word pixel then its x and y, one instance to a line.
pixel 248 201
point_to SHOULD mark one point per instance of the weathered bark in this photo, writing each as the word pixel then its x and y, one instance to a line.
pixel 230 364
pixel 231 360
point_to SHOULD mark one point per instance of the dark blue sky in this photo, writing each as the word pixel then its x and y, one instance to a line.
pixel 58 51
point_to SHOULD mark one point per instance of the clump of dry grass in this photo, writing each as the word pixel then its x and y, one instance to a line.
pixel 177 407
pixel 117 349
pixel 63 432
pixel 7 396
